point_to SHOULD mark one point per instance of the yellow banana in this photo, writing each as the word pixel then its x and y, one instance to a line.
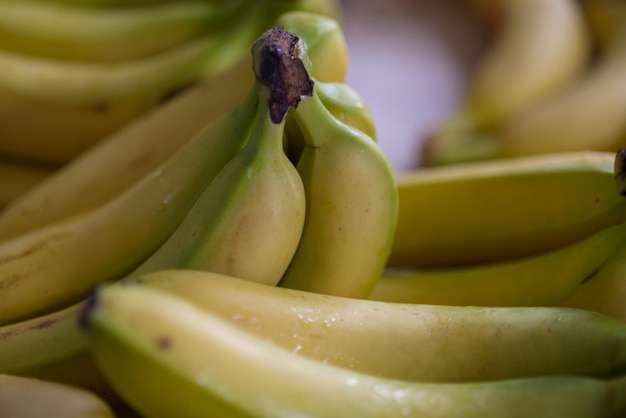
pixel 542 47
pixel 22 397
pixel 430 342
pixel 486 211
pixel 58 264
pixel 248 221
pixel 16 179
pixel 351 210
pixel 539 280
pixel 84 33
pixel 168 358
pixel 119 160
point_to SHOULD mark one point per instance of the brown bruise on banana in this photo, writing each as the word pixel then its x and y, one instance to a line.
pixel 620 171
pixel 277 66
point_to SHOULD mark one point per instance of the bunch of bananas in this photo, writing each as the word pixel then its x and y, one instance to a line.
pixel 252 254
pixel 552 79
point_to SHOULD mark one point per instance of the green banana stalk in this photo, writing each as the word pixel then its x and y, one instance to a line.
pixel 129 153
pixel 351 208
pixel 539 280
pixel 248 221
pixel 84 33
pixel 22 397
pixel 487 211
pixel 552 41
pixel 430 343
pixel 50 267
pixel 168 358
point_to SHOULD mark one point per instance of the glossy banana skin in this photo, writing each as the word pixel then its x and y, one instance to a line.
pixel 155 348
pixel 50 267
pixel 539 280
pixel 480 212
pixel 22 397
pixel 430 343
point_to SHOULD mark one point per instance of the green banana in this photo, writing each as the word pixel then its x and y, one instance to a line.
pixel 167 358
pixel 430 343
pixel 539 280
pixel 352 206
pixel 58 264
pixel 552 41
pixel 123 157
pixel 487 211
pixel 22 397
pixel 248 221
pixel 84 33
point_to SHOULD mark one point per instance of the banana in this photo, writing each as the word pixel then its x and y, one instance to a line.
pixel 123 157
pixel 248 221
pixel 16 179
pixel 351 211
pixel 605 291
pixel 487 211
pixel 431 343
pixel 606 18
pixel 588 115
pixel 540 280
pixel 168 358
pixel 552 41
pixel 118 161
pixel 22 397
pixel 84 33
pixel 55 265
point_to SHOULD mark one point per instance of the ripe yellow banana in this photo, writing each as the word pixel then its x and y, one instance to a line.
pixel 115 33
pixel 429 342
pixel 22 397
pixel 541 48
pixel 119 160
pixel 168 358
pixel 486 211
pixel 52 266
pixel 16 179
pixel 605 291
pixel 539 280
pixel 351 210
pixel 248 221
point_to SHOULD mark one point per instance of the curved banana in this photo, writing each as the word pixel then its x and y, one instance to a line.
pixel 488 211
pixel 84 33
pixel 16 179
pixel 539 280
pixel 77 104
pixel 351 210
pixel 248 221
pixel 541 48
pixel 605 291
pixel 123 157
pixel 22 397
pixel 52 266
pixel 588 115
pixel 429 342
pixel 168 358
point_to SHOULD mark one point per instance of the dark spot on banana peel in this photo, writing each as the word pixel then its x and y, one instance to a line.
pixel 277 65
pixel 590 275
pixel 163 342
pixel 176 91
pixel 619 171
pixel 100 107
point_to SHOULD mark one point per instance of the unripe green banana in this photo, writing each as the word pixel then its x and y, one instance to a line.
pixel 85 33
pixel 22 397
pixel 539 280
pixel 129 153
pixel 248 221
pixel 55 265
pixel 487 211
pixel 550 38
pixel 168 358
pixel 352 206
pixel 430 343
